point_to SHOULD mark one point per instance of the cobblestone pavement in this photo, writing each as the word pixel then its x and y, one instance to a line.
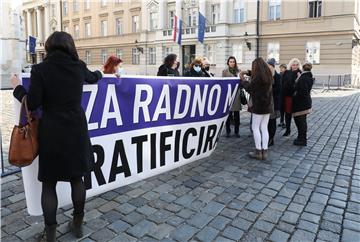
pixel 300 194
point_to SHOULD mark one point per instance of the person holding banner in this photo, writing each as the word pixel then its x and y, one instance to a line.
pixel 260 89
pixel 170 66
pixel 113 66
pixel 233 71
pixel 65 151
pixel 195 68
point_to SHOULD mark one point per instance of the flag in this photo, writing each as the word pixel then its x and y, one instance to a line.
pixel 32 44
pixel 177 30
pixel 201 30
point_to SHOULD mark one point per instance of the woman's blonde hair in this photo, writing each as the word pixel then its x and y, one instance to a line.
pixel 197 60
pixel 292 61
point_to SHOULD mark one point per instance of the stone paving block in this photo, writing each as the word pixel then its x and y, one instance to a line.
pixel 290 217
pixel 232 233
pixel 219 222
pixel 103 235
pixel 161 231
pixel 331 226
pixel 256 206
pixel 140 229
pixel 199 220
pixel 175 220
pixel 264 226
pixel 302 236
pixel 30 232
pixel 119 226
pixel 123 237
pixel 308 226
pixel 108 206
pixel 213 208
pixel 328 235
pixel 183 233
pixel 350 236
pixel 207 234
pixel 97 223
pixel 185 200
pixel 230 213
pixel 314 208
pixel 279 236
pixel 125 208
pixel 351 225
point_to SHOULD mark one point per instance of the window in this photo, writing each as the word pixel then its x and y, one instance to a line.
pixel 88 57
pixel 135 23
pixel 167 51
pixel 87 30
pixel 76 6
pixel 103 56
pixel 104 28
pixel 103 3
pixel 274 9
pixel 171 19
pixel 118 1
pixel 273 51
pixel 76 31
pixel 119 53
pixel 152 56
pixel 239 11
pixel 65 8
pixel 238 52
pixel 314 8
pixel 192 17
pixel 87 4
pixel 215 13
pixel 119 26
pixel 210 53
pixel 66 29
pixel 153 21
pixel 313 52
pixel 135 56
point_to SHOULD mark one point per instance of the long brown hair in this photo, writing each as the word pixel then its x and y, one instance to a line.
pixel 111 63
pixel 261 73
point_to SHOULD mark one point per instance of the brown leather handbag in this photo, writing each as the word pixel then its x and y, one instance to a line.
pixel 24 143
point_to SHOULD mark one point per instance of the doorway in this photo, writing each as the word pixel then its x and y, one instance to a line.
pixel 188 54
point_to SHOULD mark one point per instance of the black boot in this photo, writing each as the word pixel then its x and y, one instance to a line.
pixel 76 225
pixel 49 234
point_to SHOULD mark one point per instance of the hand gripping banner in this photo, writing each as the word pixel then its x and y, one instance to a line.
pixel 142 126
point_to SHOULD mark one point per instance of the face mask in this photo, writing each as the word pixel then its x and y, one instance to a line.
pixel 197 68
pixel 207 68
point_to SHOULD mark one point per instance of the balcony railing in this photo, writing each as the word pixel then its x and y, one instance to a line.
pixel 190 30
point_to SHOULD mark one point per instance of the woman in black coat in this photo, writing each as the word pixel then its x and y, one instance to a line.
pixel 288 82
pixel 170 66
pixel 65 152
pixel 302 103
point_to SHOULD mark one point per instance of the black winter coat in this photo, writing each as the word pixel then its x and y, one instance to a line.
pixel 302 99
pixel 288 82
pixel 276 87
pixel 261 97
pixel 56 85
pixel 166 71
pixel 191 72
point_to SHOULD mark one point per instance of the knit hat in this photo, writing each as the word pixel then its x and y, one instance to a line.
pixel 271 62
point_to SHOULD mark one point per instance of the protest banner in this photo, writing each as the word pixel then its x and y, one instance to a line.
pixel 142 126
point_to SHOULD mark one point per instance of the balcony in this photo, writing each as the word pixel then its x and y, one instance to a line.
pixel 190 30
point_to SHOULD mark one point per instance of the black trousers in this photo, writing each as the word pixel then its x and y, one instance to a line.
pixel 301 124
pixel 272 128
pixel 282 114
pixel 233 115
pixel 288 122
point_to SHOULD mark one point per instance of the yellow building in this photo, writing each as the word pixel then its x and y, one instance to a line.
pixel 140 32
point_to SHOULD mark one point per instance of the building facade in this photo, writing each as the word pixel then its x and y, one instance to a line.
pixel 41 18
pixel 140 32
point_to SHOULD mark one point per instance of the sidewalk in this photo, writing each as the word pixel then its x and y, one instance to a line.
pixel 301 194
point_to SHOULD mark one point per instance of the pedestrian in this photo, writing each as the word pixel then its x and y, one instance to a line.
pixel 113 66
pixel 232 70
pixel 288 82
pixel 260 89
pixel 302 103
pixel 276 89
pixel 170 66
pixel 206 67
pixel 65 151
pixel 195 69
pixel 282 68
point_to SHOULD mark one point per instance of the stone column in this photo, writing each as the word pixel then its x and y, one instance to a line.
pixel 47 20
pixel 28 23
pixel 162 14
pixel 178 11
pixel 38 23
pixel 223 11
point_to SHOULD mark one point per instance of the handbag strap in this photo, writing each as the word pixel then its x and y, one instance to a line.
pixel 27 112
